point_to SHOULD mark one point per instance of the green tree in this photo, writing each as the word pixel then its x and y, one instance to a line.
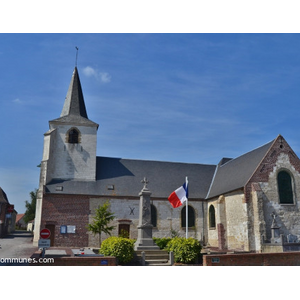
pixel 101 221
pixel 30 207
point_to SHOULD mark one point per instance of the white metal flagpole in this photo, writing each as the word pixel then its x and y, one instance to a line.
pixel 186 211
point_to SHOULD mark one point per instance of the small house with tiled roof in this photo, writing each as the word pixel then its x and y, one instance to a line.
pixel 232 205
pixel 7 215
pixel 20 223
pixel 3 207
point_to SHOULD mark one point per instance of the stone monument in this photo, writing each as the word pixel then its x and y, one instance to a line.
pixel 144 240
pixel 274 230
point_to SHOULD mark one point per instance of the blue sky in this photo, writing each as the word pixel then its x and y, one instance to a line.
pixel 175 97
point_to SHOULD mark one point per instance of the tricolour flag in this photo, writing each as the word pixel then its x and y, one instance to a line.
pixel 179 196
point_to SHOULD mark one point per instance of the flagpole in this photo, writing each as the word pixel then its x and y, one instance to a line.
pixel 186 211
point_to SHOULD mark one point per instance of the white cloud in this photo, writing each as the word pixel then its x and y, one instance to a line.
pixel 105 77
pixel 99 76
pixel 89 71
pixel 17 100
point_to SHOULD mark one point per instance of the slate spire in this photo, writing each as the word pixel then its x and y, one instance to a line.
pixel 74 102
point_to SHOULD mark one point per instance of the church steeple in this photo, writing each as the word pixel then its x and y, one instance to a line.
pixel 74 102
pixel 74 111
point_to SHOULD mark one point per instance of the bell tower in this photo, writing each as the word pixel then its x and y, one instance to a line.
pixel 70 144
pixel 69 147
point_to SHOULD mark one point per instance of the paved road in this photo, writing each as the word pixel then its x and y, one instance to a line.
pixel 16 245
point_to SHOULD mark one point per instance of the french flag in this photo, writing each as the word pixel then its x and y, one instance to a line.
pixel 179 196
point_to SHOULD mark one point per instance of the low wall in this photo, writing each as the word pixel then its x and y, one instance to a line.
pixel 73 260
pixel 253 259
pixel 84 261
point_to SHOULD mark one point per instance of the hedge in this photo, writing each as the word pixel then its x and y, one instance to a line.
pixel 185 250
pixel 161 242
pixel 121 248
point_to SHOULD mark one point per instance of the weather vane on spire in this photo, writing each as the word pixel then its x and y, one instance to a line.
pixel 76 56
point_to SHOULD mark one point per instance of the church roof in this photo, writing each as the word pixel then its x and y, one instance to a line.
pixel 164 177
pixel 233 174
pixel 74 102
pixel 122 177
pixel 74 110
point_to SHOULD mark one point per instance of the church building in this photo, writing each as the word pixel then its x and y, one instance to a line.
pixel 250 203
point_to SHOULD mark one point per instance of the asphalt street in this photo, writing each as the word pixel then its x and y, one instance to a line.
pixel 16 245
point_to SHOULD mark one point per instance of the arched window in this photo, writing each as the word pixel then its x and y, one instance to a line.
pixel 153 216
pixel 285 189
pixel 73 136
pixel 191 216
pixel 212 217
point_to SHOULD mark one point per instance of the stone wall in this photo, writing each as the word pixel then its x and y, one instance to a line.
pixel 231 230
pixel 212 232
pixel 280 157
pixel 236 215
pixel 243 217
pixel 257 225
pixel 253 259
pixel 74 161
pixel 168 219
pixel 288 216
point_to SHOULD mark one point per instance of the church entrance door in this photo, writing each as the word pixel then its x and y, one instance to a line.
pixel 124 230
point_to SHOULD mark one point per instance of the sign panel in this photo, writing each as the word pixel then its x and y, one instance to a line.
pixel 45 233
pixel 215 260
pixel 71 229
pixel 104 262
pixel 10 208
pixel 63 229
pixel 43 243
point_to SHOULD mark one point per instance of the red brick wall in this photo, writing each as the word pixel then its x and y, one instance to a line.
pixel 253 259
pixel 221 236
pixel 72 260
pixel 83 261
pixel 3 223
pixel 67 210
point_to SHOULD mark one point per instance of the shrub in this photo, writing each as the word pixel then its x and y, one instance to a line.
pixel 185 250
pixel 174 233
pixel 162 242
pixel 119 247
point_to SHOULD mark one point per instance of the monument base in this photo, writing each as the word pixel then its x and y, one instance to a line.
pixel 146 248
pixel 144 240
